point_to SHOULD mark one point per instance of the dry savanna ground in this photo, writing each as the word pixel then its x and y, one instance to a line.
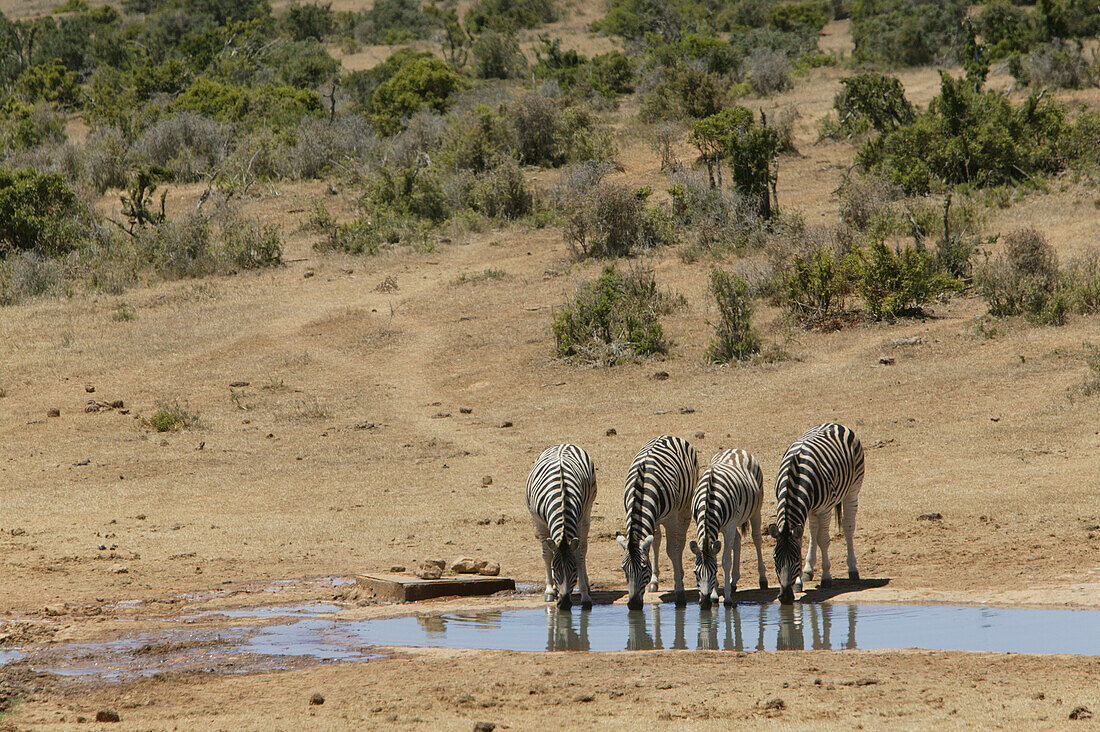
pixel 378 390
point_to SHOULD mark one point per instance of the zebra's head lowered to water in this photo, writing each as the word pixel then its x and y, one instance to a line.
pixel 788 559
pixel 706 570
pixel 637 568
pixel 563 568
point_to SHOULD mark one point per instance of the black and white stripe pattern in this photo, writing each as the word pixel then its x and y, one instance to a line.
pixel 820 472
pixel 658 493
pixel 727 498
pixel 560 492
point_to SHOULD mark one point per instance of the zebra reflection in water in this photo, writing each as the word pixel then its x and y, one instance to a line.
pixel 730 620
pixel 820 617
pixel 563 635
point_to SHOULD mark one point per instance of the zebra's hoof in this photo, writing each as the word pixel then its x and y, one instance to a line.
pixel 652 587
pixel 763 584
pixel 586 604
pixel 826 583
pixel 807 576
pixel 853 575
pixel 729 601
pixel 681 598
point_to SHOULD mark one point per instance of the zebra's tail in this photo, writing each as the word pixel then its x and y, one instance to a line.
pixel 839 523
pixel 744 528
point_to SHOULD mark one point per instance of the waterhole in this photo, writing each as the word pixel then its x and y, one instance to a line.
pixel 313 634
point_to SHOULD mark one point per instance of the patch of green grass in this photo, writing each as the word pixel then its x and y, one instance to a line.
pixel 488 275
pixel 173 417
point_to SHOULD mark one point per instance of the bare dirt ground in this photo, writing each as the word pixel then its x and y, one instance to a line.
pixel 347 452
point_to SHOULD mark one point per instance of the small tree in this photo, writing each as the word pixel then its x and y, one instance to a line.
pixel 752 152
pixel 734 339
pixel 711 136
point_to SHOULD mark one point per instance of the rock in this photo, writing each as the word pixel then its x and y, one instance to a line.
pixel 89 389
pixel 775 704
pixel 56 610
pixel 55 412
pixel 118 569
pixel 238 383
pixel 1080 713
pixel 308 273
pixel 316 700
pixel 442 564
pixel 488 569
pixel 487 480
pixel 660 376
pixel 914 341
pixel 700 435
pixel 886 360
pixel 117 404
pixel 397 568
pixel 687 410
pixel 107 715
pixel 611 432
pixel 465 410
pixel 504 424
pixel 484 727
pixel 930 517
pixel 441 415
pixel 428 572
pixel 464 566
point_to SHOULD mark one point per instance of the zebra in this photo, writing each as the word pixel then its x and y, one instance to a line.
pixel 658 492
pixel 560 492
pixel 821 471
pixel 728 496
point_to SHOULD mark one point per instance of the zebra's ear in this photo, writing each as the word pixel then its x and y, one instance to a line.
pixel 646 543
pixel 621 539
pixel 574 543
pixel 694 547
pixel 549 544
pixel 717 548
pixel 773 532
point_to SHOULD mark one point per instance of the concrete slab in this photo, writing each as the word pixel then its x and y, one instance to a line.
pixel 407 588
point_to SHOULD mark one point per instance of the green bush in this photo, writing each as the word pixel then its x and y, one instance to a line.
pixel 249 244
pixel 173 417
pixel 718 220
pixel 23 127
pixel 685 91
pixel 50 82
pixel 611 220
pixel 870 101
pixel 907 32
pixel 638 19
pixel 311 20
pixel 896 283
pixel 1007 29
pixel 1081 279
pixel 390 22
pixel 271 105
pixel 976 138
pixel 813 288
pixel 734 339
pixel 500 192
pixel 752 151
pixel 1024 280
pixel 612 319
pixel 803 18
pixel 420 83
pixel 38 211
pixel 497 56
pixel 1057 65
pixel 179 249
pixel 509 15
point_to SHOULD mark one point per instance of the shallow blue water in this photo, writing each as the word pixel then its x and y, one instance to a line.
pixel 748 628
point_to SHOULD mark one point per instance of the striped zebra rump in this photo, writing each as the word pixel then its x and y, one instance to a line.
pixel 659 484
pixel 561 489
pixel 730 488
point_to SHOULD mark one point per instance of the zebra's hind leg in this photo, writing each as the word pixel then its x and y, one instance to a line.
pixel 582 568
pixel 655 576
pixel 823 542
pixel 811 552
pixel 551 592
pixel 848 521
pixel 731 561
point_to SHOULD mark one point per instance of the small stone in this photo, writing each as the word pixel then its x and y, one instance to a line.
pixel 428 572
pixel 316 700
pixel 56 610
pixel 89 389
pixel 237 384
pixel 487 480
pixel 930 517
pixel 107 715
pixel 117 404
pixel 775 704
pixel 488 569
pixel 886 360
pixel 442 564
pixel 118 569
pixel 465 410
pixel 502 425
pixel 660 376
pixel 484 727
pixel 1080 713
pixel 308 273
pixel 700 435
pixel 687 410
pixel 55 412
pixel 441 415
pixel 464 566
pixel 397 568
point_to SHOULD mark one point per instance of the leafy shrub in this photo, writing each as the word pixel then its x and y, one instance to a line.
pixel 311 20
pixel 869 101
pixel 768 71
pixel 28 275
pixel 499 193
pixel 304 64
pixel 38 211
pixel 497 56
pixel 907 32
pixel 803 18
pixel 720 220
pixel 249 244
pixel 684 91
pixel 1007 29
pixel 391 22
pixel 319 144
pixel 420 83
pixel 866 203
pixel 752 150
pixel 185 146
pixel 179 249
pixel 275 106
pixel 978 138
pixel 23 127
pixel 106 159
pixel 1057 65
pixel 612 221
pixel 411 191
pixel 734 339
pixel 509 15
pixel 173 417
pixel 612 319
pixel 896 283
pixel 1024 280
pixel 50 82
pixel 813 288
pixel 638 19
pixel 1081 279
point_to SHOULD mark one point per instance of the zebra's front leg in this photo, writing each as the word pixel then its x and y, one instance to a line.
pixel 823 540
pixel 655 575
pixel 674 545
pixel 848 520
pixel 812 522
pixel 758 540
pixel 582 568
pixel 729 564
pixel 551 592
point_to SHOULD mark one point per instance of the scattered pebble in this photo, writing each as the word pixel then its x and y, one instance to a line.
pixel 611 432
pixel 55 412
pixel 484 727
pixel 700 435
pixel 660 376
pixel 930 517
pixel 239 383
pixel 1080 713
pixel 308 273
pixel 914 341
pixel 397 568
pixel 886 360
pixel 465 410
pixel 441 415
pixel 488 569
pixel 502 425
pixel 465 565
pixel 89 389
pixel 428 572
pixel 436 563
pixel 487 480
pixel 687 410
pixel 107 715
pixel 316 700
pixel 118 569
pixel 775 704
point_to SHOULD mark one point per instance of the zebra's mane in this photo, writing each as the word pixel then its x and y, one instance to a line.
pixel 637 503
pixel 561 487
pixel 708 497
pixel 792 481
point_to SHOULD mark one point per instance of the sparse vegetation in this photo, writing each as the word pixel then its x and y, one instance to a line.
pixel 173 417
pixel 734 339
